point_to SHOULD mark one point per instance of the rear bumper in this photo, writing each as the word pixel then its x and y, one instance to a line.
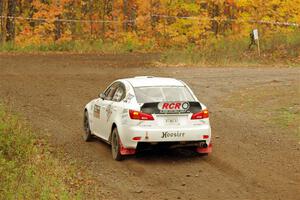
pixel 200 146
pixel 132 135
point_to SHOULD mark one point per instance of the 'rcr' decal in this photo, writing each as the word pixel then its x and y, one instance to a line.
pixel 173 106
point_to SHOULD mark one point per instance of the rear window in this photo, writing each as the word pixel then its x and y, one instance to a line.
pixel 162 93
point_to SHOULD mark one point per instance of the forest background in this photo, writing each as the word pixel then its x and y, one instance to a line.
pixel 185 31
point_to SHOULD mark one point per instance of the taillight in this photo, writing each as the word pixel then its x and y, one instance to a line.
pixel 139 115
pixel 200 115
pixel 205 136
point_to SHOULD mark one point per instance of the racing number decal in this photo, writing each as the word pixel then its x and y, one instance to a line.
pixel 97 111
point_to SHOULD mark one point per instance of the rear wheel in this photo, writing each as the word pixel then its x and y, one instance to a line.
pixel 115 145
pixel 86 125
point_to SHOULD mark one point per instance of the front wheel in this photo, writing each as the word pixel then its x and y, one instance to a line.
pixel 86 125
pixel 115 145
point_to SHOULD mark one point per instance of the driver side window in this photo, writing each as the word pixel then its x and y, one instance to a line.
pixel 109 93
pixel 119 94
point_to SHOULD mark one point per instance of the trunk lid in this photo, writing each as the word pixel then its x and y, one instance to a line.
pixel 168 108
pixel 171 114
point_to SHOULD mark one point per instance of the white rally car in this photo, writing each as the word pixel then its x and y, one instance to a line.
pixel 144 111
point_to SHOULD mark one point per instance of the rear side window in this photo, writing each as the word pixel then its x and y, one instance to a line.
pixel 162 93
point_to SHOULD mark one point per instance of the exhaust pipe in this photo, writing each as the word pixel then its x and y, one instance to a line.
pixel 203 145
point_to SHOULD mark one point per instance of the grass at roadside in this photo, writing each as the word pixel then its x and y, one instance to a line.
pixel 279 49
pixel 28 169
pixel 79 46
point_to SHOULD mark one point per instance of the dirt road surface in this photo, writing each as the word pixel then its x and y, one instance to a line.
pixel 251 159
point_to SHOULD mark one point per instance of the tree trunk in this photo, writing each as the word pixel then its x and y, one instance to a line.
pixel 215 13
pixel 30 14
pixel 58 28
pixel 114 18
pixel 1 21
pixel 10 23
pixel 151 15
pixel 91 10
pixel 125 13
pixel 58 25
pixel 133 15
pixel 78 13
pixel 104 7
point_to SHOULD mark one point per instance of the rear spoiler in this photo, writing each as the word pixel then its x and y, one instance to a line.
pixel 153 108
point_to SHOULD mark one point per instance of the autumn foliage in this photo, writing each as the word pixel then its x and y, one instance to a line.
pixel 157 22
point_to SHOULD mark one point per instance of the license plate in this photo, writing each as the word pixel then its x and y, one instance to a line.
pixel 172 121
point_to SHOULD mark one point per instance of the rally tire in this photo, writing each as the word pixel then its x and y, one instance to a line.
pixel 115 145
pixel 86 125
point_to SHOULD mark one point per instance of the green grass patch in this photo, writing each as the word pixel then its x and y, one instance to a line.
pixel 28 169
pixel 288 117
pixel 80 46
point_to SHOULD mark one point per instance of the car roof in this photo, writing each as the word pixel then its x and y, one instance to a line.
pixel 148 81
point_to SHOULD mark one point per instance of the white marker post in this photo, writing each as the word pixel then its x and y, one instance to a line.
pixel 256 38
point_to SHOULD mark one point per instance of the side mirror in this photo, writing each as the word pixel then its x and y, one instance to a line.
pixel 102 96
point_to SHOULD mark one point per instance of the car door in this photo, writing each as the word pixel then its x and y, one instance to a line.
pixel 96 116
pixel 114 109
pixel 100 111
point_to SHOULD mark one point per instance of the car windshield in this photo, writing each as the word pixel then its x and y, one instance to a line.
pixel 162 93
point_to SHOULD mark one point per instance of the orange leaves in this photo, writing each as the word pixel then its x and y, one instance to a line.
pixel 164 22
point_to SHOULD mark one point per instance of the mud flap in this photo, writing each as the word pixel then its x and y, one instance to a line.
pixel 205 150
pixel 126 151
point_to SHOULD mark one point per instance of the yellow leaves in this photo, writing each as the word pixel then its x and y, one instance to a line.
pixel 38 36
pixel 210 18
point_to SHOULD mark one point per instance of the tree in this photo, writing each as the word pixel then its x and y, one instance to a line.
pixel 2 22
pixel 10 22
pixel 166 22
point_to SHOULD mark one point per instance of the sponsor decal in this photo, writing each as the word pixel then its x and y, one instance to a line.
pixel 167 134
pixel 128 98
pixel 169 107
pixel 124 116
pixel 108 111
pixel 97 111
